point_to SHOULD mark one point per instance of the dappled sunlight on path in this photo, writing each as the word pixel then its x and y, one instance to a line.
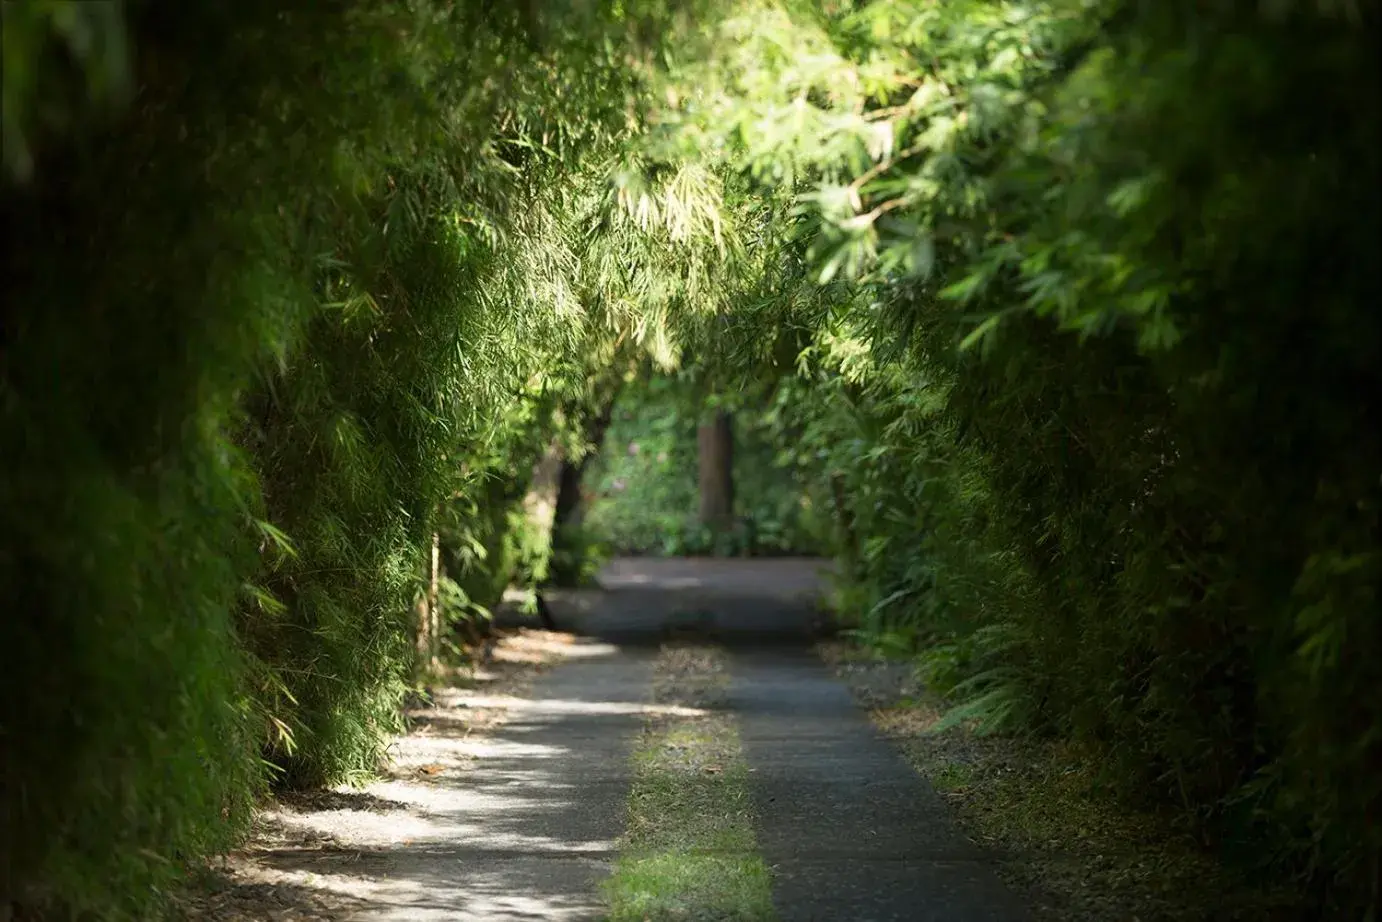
pixel 502 804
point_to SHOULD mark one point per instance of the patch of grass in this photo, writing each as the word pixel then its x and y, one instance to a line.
pixel 952 778
pixel 690 675
pixel 690 886
pixel 689 851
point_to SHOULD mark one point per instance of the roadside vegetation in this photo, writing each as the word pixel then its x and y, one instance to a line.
pixel 1061 833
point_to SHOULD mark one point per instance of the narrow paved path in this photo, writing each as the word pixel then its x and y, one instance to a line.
pixel 848 829
pixel 524 823
pixel 530 834
pixel 515 823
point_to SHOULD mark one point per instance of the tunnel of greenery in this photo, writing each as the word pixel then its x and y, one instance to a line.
pixel 1062 316
pixel 642 489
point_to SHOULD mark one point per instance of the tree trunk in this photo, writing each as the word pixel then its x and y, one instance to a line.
pixel 570 510
pixel 544 492
pixel 716 471
pixel 429 612
pixel 434 597
pixel 424 635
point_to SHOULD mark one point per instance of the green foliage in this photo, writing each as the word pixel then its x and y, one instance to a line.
pixel 1142 535
pixel 78 53
pixel 489 540
pixel 643 490
pixel 293 298
pixel 1057 317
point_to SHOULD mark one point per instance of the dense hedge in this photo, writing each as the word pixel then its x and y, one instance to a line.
pixel 271 315
pixel 1108 434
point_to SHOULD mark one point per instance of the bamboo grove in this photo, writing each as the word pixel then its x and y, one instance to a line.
pixel 1066 309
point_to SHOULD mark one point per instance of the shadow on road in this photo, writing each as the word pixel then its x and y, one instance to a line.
pixel 737 602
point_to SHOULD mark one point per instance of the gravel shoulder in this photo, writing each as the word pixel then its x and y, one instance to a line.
pixel 1064 842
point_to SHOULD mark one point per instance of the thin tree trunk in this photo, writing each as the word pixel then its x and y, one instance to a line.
pixel 434 598
pixel 715 441
pixel 570 509
pixel 428 611
pixel 424 634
